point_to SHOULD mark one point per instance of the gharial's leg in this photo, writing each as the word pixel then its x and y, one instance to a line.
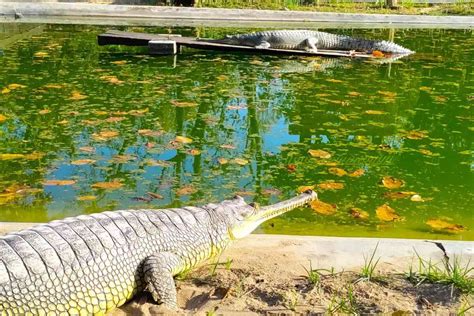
pixel 158 271
pixel 311 43
pixel 263 45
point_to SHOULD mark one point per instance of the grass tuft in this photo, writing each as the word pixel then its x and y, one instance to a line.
pixel 370 264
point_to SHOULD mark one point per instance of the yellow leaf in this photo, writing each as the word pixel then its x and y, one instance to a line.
pixel 227 146
pixel 34 156
pixel 194 152
pixel 222 77
pixel 322 207
pixel 241 161
pixel 387 214
pixel 87 149
pixel 3 118
pixel 63 122
pixel 76 96
pixel 7 197
pixel 54 86
pixel 108 185
pixel 440 224
pixel 136 112
pixel 105 134
pixel 357 173
pixel 5 90
pixel 387 94
pixel 86 198
pixel 14 86
pixel 416 198
pixel 354 94
pixel 41 54
pixel 318 153
pixel 111 79
pixel 119 62
pixel 416 134
pixel 337 171
pixel 11 156
pixel 59 182
pixel 399 195
pixel 45 111
pixel 81 162
pixel 149 132
pixel 426 152
pixel 305 188
pixel 186 190
pixel 183 104
pixel 331 185
pixel 183 140
pixel 222 161
pixel 114 119
pixel 334 80
pixel 375 112
pixel 358 213
pixel 392 183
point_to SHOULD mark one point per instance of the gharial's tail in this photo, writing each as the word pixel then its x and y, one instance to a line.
pixel 359 44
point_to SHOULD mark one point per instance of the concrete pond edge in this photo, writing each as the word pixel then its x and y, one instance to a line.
pixel 88 13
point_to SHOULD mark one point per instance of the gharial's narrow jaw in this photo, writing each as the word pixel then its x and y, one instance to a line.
pixel 262 214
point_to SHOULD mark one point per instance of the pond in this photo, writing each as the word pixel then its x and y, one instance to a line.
pixel 86 129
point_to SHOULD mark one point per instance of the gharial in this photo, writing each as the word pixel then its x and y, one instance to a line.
pixel 310 41
pixel 90 264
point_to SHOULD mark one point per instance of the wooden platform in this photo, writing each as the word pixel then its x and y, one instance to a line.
pixel 114 37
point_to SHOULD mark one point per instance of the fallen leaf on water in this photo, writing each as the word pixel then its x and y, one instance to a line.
pixel 386 213
pixel 227 146
pixel 45 111
pixel 323 208
pixel 416 135
pixel 305 188
pixel 183 140
pixel 122 158
pixel 186 190
pixel 59 182
pixel 54 86
pixel 116 184
pixel 14 86
pixel 337 171
pixel 392 183
pixel 377 54
pixel 331 185
pixel 5 90
pixel 63 122
pixel 114 119
pixel 119 62
pixel 441 224
pixel 425 88
pixel 149 132
pixel 318 153
pixel 137 112
pixel 81 162
pixel 76 96
pixel 357 173
pixel 105 134
pixel 194 152
pixel 399 195
pixel 111 79
pixel 358 213
pixel 240 161
pixel 354 94
pixel 416 198
pixel 222 160
pixel 291 167
pixel 7 197
pixel 222 77
pixel 87 149
pixel 41 54
pixel 388 94
pixel 334 80
pixel 183 104
pixel 86 198
pixel 426 152
pixel 155 195
pixel 11 156
pixel 375 112
pixel 3 118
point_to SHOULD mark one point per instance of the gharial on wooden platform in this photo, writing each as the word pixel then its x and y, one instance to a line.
pixel 114 37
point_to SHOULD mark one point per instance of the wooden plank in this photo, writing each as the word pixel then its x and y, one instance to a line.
pixel 114 37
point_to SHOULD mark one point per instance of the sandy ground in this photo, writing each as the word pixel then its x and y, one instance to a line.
pixel 266 275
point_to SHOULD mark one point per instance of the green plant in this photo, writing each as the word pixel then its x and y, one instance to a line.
pixel 228 263
pixel 455 273
pixel 313 275
pixel 464 306
pixel 370 264
pixel 343 304
pixel 291 299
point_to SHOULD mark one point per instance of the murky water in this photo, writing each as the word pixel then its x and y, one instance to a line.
pixel 121 129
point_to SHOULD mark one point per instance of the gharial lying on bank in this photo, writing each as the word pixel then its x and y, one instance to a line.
pixel 90 264
pixel 310 41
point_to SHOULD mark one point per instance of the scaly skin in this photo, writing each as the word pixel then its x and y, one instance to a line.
pixel 90 264
pixel 311 41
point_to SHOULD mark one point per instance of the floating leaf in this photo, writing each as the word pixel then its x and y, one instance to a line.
pixel 5 90
pixel 392 183
pixel 291 167
pixel 426 152
pixel 222 161
pixel 111 79
pixel 387 94
pixel 41 54
pixel 14 86
pixel 194 152
pixel 354 94
pixel 416 135
pixel 186 190
pixel 116 184
pixel 7 197
pixel 155 195
pixel 357 173
pixel 337 171
pixel 441 224
pixel 323 208
pixel 183 140
pixel 358 213
pixel 334 80
pixel 240 161
pixel 149 132
pixel 105 134
pixel 76 96
pixel 375 112
pixel 119 62
pixel 305 188
pixel 416 198
pixel 59 182
pixel 81 162
pixel 377 54
pixel 86 198
pixel 53 86
pixel 114 119
pixel 399 195
pixel 386 213
pixel 45 111
pixel 87 149
pixel 331 185
pixel 318 153
pixel 183 104
pixel 136 112
pixel 227 146
pixel 11 156
pixel 3 118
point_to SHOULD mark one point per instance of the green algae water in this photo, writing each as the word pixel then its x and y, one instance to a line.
pixel 86 129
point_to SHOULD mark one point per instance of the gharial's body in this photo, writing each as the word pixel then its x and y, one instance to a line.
pixel 310 41
pixel 90 264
